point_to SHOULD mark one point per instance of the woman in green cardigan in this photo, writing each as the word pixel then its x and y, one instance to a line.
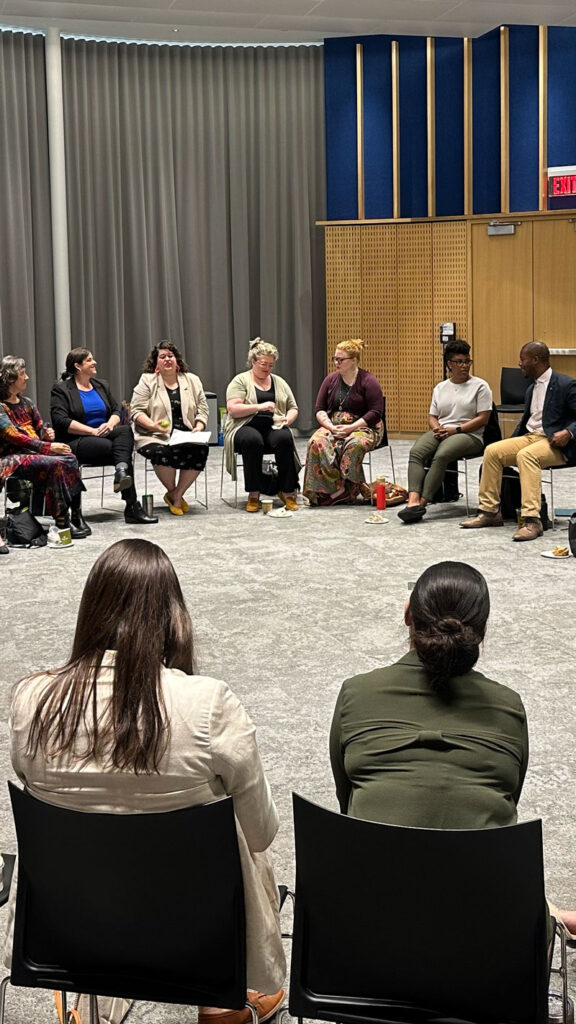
pixel 261 409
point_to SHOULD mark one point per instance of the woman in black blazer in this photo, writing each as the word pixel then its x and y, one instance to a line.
pixel 86 416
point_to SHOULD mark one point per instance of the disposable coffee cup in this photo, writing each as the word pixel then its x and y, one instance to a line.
pixel 65 537
pixel 148 504
pixel 267 505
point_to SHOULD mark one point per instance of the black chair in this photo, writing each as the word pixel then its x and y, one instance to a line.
pixel 145 906
pixel 415 925
pixel 384 443
pixel 513 388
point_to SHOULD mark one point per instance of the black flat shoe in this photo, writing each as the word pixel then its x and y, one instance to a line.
pixel 122 478
pixel 78 523
pixel 135 514
pixel 412 513
pixel 4 549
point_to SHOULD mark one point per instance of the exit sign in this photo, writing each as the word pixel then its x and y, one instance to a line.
pixel 561 181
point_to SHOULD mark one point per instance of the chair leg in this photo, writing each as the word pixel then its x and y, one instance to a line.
pixel 3 988
pixel 466 486
pixel 253 1012
pixel 562 970
pixel 552 513
pixel 94 1012
pixel 392 464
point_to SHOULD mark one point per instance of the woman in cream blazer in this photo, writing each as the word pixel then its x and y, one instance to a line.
pixel 191 741
pixel 168 397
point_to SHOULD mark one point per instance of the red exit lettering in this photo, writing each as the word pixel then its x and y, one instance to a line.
pixel 562 185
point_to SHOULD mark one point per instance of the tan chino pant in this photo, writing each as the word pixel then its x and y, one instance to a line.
pixel 531 453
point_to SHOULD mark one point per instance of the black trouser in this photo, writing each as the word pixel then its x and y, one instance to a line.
pixel 108 451
pixel 255 441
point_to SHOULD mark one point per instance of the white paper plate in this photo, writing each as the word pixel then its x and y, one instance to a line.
pixel 550 554
pixel 280 513
pixel 373 521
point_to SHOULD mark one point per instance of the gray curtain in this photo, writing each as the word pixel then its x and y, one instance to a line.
pixel 26 294
pixel 195 176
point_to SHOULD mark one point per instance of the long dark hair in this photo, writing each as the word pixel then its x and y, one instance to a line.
pixel 151 362
pixel 132 604
pixel 76 355
pixel 449 608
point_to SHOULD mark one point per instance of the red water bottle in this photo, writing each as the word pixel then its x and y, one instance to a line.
pixel 380 497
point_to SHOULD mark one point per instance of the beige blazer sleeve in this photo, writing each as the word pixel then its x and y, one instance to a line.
pixel 236 759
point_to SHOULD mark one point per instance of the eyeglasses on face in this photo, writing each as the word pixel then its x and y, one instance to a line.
pixel 341 360
pixel 266 363
pixel 461 362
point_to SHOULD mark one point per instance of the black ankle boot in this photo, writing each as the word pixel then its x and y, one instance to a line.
pixel 76 532
pixel 122 477
pixel 134 513
pixel 77 522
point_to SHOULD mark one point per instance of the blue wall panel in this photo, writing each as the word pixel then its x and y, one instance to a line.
pixel 523 117
pixel 413 122
pixel 377 126
pixel 561 96
pixel 486 122
pixel 340 108
pixel 449 89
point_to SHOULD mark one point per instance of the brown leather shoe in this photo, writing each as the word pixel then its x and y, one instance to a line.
pixel 483 519
pixel 289 501
pixel 266 1006
pixel 531 530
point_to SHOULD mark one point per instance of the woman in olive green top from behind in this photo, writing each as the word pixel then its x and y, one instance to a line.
pixel 429 741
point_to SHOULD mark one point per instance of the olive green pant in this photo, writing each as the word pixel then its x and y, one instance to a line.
pixel 428 453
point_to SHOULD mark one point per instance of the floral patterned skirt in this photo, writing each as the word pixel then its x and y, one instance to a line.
pixel 333 464
pixel 58 476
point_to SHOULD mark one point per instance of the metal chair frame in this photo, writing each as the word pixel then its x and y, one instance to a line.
pixel 148 468
pixel 268 457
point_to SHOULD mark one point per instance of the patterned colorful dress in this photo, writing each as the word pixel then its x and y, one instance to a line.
pixel 25 455
pixel 334 464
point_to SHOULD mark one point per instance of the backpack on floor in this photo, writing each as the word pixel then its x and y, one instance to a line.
pixel 23 530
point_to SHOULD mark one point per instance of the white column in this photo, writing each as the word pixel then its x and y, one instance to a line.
pixel 57 165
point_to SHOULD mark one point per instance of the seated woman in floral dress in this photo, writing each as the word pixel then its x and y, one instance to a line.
pixel 350 411
pixel 28 451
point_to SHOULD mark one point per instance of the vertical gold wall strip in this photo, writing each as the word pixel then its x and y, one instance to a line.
pixel 360 127
pixel 468 195
pixel 431 125
pixel 504 122
pixel 542 115
pixel 395 130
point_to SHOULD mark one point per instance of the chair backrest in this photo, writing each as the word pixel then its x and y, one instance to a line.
pixel 407 924
pixel 146 906
pixel 384 441
pixel 513 386
pixel 492 430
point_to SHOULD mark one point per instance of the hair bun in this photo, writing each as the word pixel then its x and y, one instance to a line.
pixel 254 342
pixel 449 625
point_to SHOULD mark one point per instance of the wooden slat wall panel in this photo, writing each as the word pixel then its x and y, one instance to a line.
pixel 379 312
pixel 450 294
pixel 555 283
pixel 415 326
pixel 502 299
pixel 343 287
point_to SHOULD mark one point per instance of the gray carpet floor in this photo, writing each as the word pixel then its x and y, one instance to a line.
pixel 284 610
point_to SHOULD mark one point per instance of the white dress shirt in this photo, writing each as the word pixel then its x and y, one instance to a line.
pixel 534 424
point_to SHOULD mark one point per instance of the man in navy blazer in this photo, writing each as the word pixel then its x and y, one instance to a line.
pixel 545 436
